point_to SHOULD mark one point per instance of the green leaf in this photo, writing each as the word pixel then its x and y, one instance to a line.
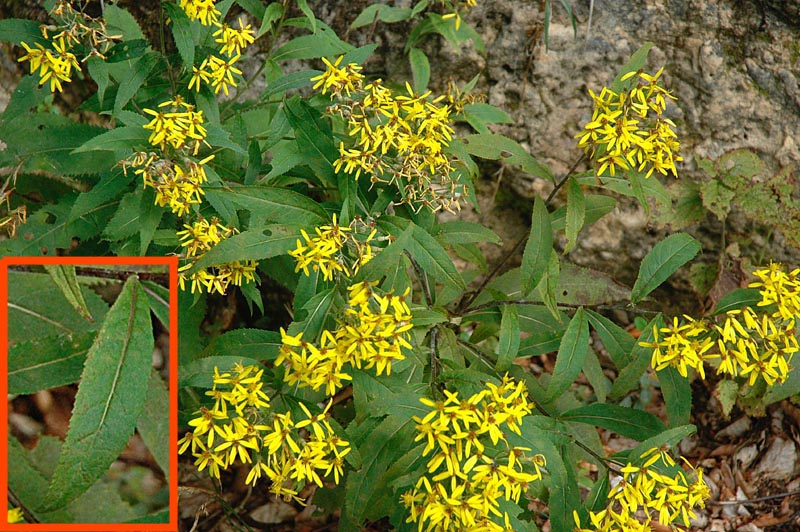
pixel 629 376
pixel 737 299
pixel 662 261
pixel 576 213
pixel 432 258
pixel 382 12
pixel 478 115
pixel 548 286
pixel 314 138
pixel 67 281
pixel 98 69
pixel 312 20
pixel 633 64
pixel 250 245
pixel 292 80
pixel 628 422
pixel 508 342
pixel 275 204
pixel 461 232
pixel 120 19
pixel 110 396
pixel 17 30
pixel 46 362
pixel 538 249
pixel 134 79
pixel 323 43
pixel 121 139
pixel 152 425
pixel 420 69
pixel 33 315
pixel 596 206
pixel 594 374
pixel 158 299
pixel 272 14
pixel 125 222
pixel 668 438
pixel 571 355
pixel 28 483
pixel 386 443
pixel 617 341
pixel 386 262
pixel 181 33
pixel 677 394
pixel 200 373
pixel 497 147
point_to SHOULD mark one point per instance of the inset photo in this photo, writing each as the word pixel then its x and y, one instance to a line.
pixel 88 356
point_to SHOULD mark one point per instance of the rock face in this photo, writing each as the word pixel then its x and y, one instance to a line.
pixel 733 64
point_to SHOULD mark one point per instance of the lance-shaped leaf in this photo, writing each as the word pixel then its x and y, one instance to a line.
pixel 153 425
pixel 67 281
pixel 571 355
pixel 537 252
pixel 576 213
pixel 662 261
pixel 110 396
pixel 47 362
pixel 508 343
pixel 629 422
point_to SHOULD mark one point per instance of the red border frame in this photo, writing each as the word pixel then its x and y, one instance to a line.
pixel 172 263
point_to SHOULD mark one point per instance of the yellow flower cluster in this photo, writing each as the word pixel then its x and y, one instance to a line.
pixel 628 129
pixel 200 237
pixel 752 342
pixel 203 10
pixel 219 72
pixel 77 29
pixel 176 178
pixel 325 252
pixel 647 492
pixel 240 427
pixel 465 482
pixel 397 139
pixel 372 333
pixel 53 65
pixel 15 516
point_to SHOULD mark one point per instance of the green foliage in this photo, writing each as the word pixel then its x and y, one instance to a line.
pixel 319 207
pixel 54 343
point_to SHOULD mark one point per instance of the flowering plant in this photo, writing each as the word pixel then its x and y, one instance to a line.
pixel 331 350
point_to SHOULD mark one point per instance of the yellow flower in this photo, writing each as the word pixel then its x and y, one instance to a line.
pixel 202 10
pixel 15 515
pixel 233 40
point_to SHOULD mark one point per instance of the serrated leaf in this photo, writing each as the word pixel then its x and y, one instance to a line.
pixel 47 362
pixel 385 262
pixel 250 245
pixel 662 261
pixel 571 355
pixel 668 438
pixel 135 78
pixel 118 139
pixel 509 338
pixel 28 483
pixel 98 69
pixel 200 373
pixel 629 376
pixel 538 249
pixel 498 147
pixel 125 222
pixel 110 396
pixel 461 232
pixel 576 213
pixel 152 426
pixel 181 33
pixel 314 138
pixel 388 441
pixel 120 19
pixel 17 30
pixel 677 393
pixel 617 341
pixel 275 204
pixel 628 422
pixel 432 258
pixel 737 299
pixel 33 315
pixel 67 281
